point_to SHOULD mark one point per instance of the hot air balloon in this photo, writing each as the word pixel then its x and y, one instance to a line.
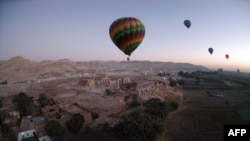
pixel 227 56
pixel 127 33
pixel 187 23
pixel 238 70
pixel 210 50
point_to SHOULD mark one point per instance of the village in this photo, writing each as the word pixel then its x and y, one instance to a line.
pixel 96 97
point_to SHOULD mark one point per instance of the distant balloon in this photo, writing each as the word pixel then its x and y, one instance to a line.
pixel 127 33
pixel 227 56
pixel 187 23
pixel 238 70
pixel 210 50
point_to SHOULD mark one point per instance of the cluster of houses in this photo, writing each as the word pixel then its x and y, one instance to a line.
pixel 33 128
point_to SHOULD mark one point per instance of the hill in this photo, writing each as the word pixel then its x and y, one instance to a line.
pixel 19 68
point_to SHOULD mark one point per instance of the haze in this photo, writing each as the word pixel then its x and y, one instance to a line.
pixel 79 30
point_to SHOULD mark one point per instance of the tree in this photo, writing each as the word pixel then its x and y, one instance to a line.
pixel 137 126
pixel 181 73
pixel 156 108
pixel 135 101
pixel 197 77
pixel 23 103
pixel 109 92
pixel 75 123
pixel 43 100
pixel 1 122
pixel 55 130
pixel 1 101
pixel 172 82
pixel 181 82
pixel 129 86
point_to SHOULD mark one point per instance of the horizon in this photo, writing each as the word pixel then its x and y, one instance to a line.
pixel 211 69
pixel 79 31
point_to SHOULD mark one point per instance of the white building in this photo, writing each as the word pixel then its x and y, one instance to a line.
pixel 33 127
pixel 26 134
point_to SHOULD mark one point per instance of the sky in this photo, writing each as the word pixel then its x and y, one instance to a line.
pixel 79 30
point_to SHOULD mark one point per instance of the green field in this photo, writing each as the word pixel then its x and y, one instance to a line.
pixel 238 95
pixel 242 79
pixel 244 113
pixel 203 114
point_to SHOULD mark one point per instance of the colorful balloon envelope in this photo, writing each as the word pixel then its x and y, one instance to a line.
pixel 210 50
pixel 187 23
pixel 227 56
pixel 127 34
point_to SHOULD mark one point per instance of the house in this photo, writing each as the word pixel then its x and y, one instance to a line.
pixel 9 116
pixel 28 134
pixel 14 113
pixel 87 83
pixel 33 128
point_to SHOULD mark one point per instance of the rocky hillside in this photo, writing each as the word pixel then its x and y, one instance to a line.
pixel 19 68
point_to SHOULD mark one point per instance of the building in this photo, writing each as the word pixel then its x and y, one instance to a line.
pixel 9 116
pixel 32 128
pixel 28 134
pixel 105 81
pixel 87 83
pixel 124 80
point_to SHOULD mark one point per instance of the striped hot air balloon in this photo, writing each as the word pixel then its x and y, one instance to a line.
pixel 127 33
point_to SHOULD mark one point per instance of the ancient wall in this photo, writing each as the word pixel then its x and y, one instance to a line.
pixel 121 81
pixel 105 81
pixel 154 90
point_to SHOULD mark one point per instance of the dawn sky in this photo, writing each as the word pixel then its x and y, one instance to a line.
pixel 79 30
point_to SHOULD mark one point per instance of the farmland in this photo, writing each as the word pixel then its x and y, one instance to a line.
pixel 219 99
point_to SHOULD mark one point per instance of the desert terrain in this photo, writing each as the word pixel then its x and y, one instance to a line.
pixel 81 87
pixel 66 79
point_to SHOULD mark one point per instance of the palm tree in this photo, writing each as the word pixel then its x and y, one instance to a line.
pixel 75 123
pixel 55 130
pixel 137 126
pixel 156 108
pixel 23 103
pixel 43 100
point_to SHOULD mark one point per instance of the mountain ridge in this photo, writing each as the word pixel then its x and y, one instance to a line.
pixel 20 68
